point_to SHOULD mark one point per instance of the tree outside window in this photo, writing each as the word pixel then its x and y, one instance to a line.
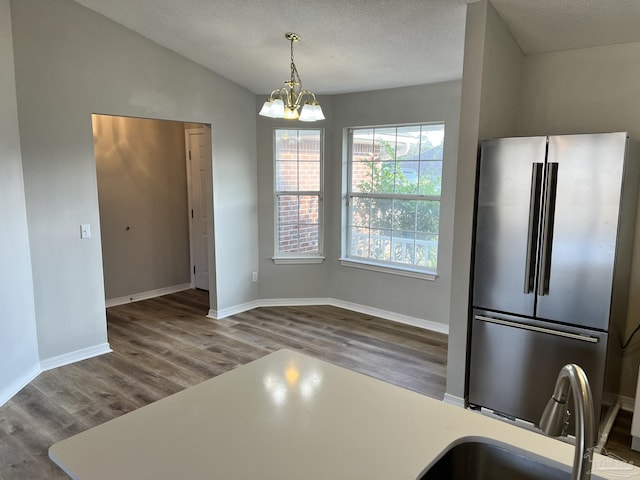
pixel 394 195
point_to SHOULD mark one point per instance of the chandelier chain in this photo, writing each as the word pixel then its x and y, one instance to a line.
pixel 295 76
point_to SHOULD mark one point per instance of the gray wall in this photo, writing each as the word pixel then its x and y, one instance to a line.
pixel 142 194
pixel 18 342
pixel 421 299
pixel 71 62
pixel 584 91
pixel 493 65
pixel 286 281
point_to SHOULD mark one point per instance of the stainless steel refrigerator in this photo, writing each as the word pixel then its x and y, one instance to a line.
pixel 553 238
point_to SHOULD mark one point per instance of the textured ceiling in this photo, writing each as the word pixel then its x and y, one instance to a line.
pixel 346 46
pixel 357 45
pixel 550 25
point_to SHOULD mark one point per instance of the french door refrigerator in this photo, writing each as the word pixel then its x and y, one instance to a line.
pixel 552 252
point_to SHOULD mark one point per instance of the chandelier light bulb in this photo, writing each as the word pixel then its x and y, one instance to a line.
pixel 277 108
pixel 290 113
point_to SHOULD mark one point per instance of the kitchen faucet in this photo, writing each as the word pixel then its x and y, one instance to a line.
pixel 572 377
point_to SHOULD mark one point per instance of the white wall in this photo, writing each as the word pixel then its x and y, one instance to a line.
pixel 18 341
pixel 491 86
pixel 71 62
pixel 585 91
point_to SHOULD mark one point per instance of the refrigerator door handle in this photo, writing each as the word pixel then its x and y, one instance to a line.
pixel 547 228
pixel 532 231
pixel 558 333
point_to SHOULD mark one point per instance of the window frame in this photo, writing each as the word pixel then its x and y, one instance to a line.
pixel 396 268
pixel 284 258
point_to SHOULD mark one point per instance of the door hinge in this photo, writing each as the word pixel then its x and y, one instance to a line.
pixel 192 213
pixel 189 154
pixel 194 269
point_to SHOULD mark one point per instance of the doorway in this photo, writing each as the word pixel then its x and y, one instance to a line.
pixel 146 198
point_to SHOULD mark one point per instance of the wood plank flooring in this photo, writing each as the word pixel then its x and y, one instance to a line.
pixel 166 344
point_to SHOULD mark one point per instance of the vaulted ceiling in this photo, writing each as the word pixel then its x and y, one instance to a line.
pixel 357 45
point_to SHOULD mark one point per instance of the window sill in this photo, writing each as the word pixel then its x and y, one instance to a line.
pixel 376 267
pixel 297 260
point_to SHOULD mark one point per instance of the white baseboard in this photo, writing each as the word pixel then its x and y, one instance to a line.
pixel 227 312
pixel 48 364
pixel 136 297
pixel 19 383
pixel 453 400
pixel 627 403
pixel 71 357
pixel 394 317
pixel 268 302
pixel 294 302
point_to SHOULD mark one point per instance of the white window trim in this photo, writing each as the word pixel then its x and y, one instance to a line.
pixel 289 258
pixel 297 259
pixel 391 269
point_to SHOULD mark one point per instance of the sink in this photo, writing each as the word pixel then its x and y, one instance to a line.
pixel 476 460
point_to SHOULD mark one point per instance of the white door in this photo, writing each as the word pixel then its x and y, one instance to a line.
pixel 198 144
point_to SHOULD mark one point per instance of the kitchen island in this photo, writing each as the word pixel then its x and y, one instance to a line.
pixel 290 416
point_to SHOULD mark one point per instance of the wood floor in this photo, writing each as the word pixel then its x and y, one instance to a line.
pixel 163 345
pixel 166 344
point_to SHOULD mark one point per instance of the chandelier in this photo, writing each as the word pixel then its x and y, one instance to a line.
pixel 285 102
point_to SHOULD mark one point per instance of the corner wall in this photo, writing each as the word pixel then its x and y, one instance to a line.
pixel 491 89
pixel 18 340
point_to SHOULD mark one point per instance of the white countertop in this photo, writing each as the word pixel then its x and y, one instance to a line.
pixel 290 416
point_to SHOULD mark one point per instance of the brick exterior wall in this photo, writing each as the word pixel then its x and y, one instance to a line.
pixel 298 165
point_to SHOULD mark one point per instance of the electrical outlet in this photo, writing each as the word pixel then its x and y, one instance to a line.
pixel 254 278
pixel 85 231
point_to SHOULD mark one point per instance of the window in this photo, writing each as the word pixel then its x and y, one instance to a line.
pixel 298 195
pixel 393 198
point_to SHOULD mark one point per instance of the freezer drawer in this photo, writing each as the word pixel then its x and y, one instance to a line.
pixel 514 362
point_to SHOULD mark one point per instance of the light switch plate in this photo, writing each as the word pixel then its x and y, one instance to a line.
pixel 85 231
